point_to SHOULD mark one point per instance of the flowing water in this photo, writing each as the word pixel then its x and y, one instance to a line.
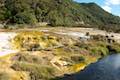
pixel 5 45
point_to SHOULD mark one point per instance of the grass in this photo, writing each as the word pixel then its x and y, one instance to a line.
pixel 34 39
pixel 36 71
pixel 78 55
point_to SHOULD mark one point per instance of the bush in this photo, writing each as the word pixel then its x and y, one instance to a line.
pixel 78 59
pixel 25 17
pixel 57 13
pixel 37 72
pixel 103 51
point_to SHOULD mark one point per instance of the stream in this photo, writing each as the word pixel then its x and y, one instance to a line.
pixel 107 68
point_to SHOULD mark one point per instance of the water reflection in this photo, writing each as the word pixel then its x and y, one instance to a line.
pixel 105 69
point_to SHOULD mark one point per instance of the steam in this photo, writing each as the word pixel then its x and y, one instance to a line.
pixel 115 61
pixel 112 61
pixel 5 45
pixel 105 69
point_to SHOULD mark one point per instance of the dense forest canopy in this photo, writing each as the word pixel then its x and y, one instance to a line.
pixel 55 12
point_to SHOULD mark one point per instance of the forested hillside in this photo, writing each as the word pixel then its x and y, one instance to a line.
pixel 56 13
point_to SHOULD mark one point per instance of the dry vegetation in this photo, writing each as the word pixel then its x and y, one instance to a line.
pixel 47 55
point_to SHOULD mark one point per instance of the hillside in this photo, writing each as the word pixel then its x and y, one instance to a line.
pixel 56 13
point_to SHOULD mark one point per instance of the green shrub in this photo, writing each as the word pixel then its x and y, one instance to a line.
pixel 57 13
pixel 37 72
pixel 25 17
pixel 77 59
pixel 103 51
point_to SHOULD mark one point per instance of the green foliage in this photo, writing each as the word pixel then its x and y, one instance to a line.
pixel 115 48
pixel 37 72
pixel 78 59
pixel 56 13
pixel 103 51
pixel 25 17
pixel 29 58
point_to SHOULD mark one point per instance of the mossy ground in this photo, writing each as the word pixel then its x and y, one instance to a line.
pixel 46 55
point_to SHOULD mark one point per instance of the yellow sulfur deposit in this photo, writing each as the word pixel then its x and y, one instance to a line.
pixel 34 40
